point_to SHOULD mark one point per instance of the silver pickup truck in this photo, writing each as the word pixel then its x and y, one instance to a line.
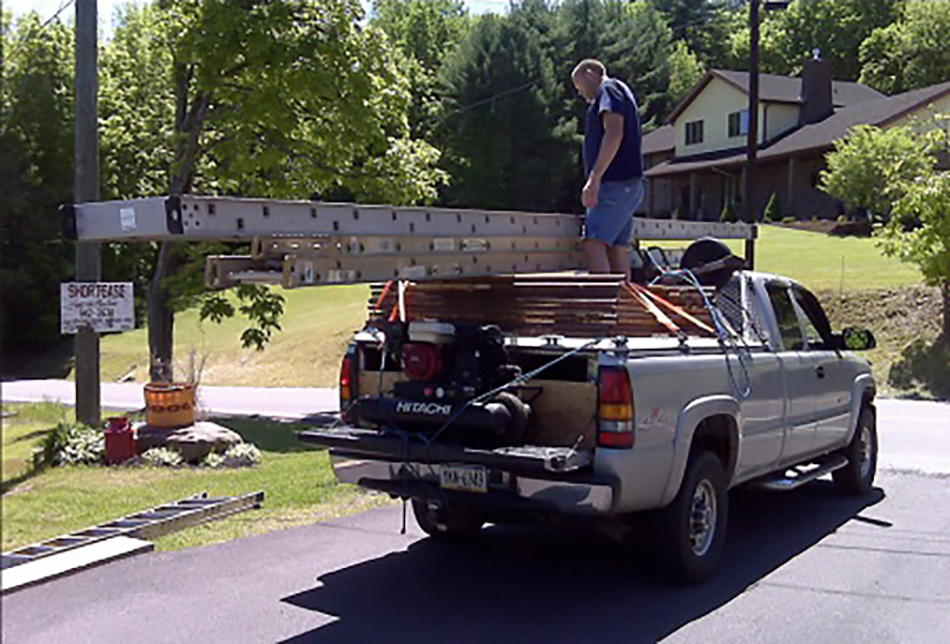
pixel 649 432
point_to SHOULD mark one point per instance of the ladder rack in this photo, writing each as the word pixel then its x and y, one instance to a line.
pixel 305 243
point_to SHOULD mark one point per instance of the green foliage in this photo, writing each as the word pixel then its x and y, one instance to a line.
pixel 242 455
pixel 685 72
pixel 69 444
pixel 162 457
pixel 36 175
pixel 837 28
pixel 703 27
pixel 925 201
pixel 729 214
pixel 869 169
pixel 910 53
pixel 773 209
pixel 262 306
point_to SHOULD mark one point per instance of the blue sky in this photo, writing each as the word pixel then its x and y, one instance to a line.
pixel 47 8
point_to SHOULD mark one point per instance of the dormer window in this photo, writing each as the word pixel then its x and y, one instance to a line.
pixel 739 123
pixel 694 132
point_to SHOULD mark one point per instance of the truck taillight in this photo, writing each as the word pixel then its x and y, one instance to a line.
pixel 615 408
pixel 347 381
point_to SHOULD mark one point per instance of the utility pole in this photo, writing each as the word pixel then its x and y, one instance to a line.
pixel 86 188
pixel 752 141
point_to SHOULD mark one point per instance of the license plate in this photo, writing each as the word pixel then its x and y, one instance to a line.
pixel 468 478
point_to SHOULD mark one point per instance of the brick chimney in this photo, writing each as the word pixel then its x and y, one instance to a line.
pixel 817 102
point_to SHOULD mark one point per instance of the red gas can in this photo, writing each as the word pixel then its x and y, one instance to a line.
pixel 120 440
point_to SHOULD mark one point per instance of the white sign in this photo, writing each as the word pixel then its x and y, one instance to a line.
pixel 101 306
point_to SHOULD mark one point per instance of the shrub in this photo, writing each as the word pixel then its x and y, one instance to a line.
pixel 788 220
pixel 729 215
pixel 773 210
pixel 843 219
pixel 213 459
pixel 162 457
pixel 70 444
pixel 242 455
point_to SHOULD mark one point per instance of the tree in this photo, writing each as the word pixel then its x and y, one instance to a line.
pixel 685 72
pixel 282 99
pixel 910 53
pixel 867 169
pixel 836 28
pixel 926 201
pixel 36 176
pixel 498 125
pixel 895 171
pixel 703 27
pixel 425 32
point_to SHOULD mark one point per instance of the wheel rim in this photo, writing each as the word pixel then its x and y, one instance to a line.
pixel 702 518
pixel 866 453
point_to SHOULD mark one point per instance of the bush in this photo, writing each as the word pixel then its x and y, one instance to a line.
pixel 162 457
pixel 242 455
pixel 788 220
pixel 729 215
pixel 773 210
pixel 213 459
pixel 843 219
pixel 70 444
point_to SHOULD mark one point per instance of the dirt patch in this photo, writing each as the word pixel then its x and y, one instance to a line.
pixel 910 360
pixel 817 226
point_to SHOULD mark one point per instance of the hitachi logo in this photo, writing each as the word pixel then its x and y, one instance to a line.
pixel 428 409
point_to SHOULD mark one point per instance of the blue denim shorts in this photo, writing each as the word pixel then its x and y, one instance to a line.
pixel 611 220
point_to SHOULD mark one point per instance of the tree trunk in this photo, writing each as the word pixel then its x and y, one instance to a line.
pixel 161 316
pixel 945 291
pixel 161 320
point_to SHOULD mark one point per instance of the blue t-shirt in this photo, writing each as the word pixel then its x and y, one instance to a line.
pixel 614 96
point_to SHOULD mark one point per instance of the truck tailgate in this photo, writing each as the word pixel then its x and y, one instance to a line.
pixel 525 459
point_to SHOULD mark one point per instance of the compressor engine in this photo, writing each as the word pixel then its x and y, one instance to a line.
pixel 447 366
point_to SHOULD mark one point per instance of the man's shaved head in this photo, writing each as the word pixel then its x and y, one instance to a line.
pixel 589 66
pixel 587 77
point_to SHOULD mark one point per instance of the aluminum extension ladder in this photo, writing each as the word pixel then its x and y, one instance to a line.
pixel 149 524
pixel 306 243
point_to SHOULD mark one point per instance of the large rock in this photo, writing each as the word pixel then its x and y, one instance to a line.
pixel 193 442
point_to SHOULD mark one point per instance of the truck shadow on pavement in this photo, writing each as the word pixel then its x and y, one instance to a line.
pixel 538 584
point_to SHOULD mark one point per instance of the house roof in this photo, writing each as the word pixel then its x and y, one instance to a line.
pixel 814 137
pixel 662 139
pixel 779 89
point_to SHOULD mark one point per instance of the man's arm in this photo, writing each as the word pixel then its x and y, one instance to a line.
pixel 613 137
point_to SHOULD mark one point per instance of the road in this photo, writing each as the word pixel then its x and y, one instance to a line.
pixel 914 435
pixel 803 566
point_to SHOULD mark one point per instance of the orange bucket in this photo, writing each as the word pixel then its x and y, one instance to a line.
pixel 170 405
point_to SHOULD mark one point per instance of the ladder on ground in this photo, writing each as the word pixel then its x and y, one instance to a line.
pixel 149 524
pixel 308 243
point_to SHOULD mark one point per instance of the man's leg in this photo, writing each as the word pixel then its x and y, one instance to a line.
pixel 596 253
pixel 619 258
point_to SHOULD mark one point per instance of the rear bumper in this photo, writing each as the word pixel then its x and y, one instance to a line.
pixel 580 496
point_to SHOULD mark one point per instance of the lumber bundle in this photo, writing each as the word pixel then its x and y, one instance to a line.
pixel 571 306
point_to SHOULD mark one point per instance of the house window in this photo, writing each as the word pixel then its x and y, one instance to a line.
pixel 694 132
pixel 739 123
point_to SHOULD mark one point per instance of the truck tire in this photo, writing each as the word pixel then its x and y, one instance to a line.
pixel 691 531
pixel 857 477
pixel 446 521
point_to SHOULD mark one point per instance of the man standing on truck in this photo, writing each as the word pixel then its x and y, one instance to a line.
pixel 614 166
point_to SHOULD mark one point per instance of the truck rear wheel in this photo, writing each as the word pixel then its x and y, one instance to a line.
pixel 857 477
pixel 691 531
pixel 444 520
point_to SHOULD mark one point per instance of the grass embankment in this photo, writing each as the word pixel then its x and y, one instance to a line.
pixel 299 485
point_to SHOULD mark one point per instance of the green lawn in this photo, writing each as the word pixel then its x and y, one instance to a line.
pixel 823 262
pixel 300 487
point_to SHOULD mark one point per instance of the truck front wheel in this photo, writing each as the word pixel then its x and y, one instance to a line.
pixel 691 531
pixel 444 520
pixel 857 477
